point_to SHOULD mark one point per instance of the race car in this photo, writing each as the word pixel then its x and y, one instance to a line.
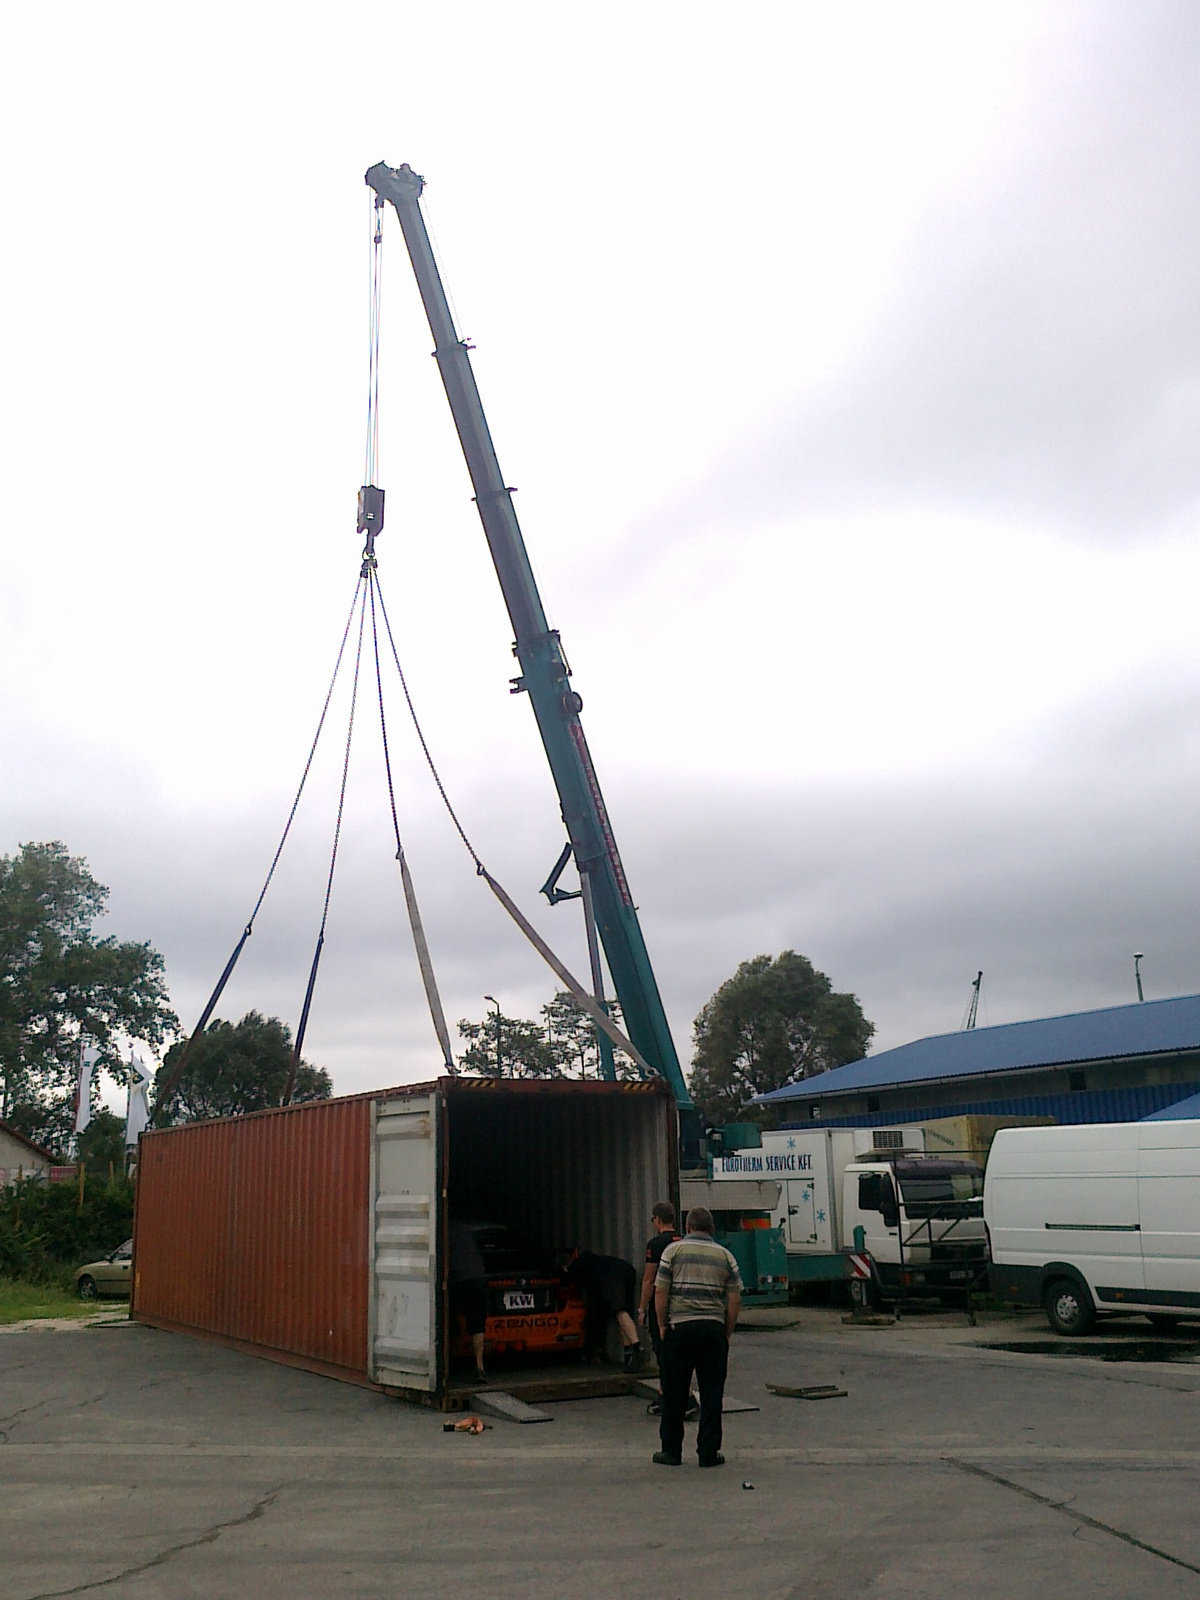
pixel 531 1308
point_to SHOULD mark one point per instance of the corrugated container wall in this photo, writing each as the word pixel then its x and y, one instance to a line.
pixel 256 1229
pixel 312 1236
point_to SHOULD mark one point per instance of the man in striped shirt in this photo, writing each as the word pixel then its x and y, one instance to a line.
pixel 697 1297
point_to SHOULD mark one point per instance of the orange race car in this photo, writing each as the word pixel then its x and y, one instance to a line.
pixel 531 1308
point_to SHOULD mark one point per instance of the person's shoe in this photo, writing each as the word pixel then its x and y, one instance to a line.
pixel 635 1358
pixel 714 1461
pixel 662 1459
pixel 480 1375
pixel 654 1409
pixel 692 1409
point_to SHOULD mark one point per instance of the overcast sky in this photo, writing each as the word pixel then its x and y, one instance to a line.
pixel 847 361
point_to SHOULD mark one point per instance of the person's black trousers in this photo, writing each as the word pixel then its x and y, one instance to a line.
pixel 702 1348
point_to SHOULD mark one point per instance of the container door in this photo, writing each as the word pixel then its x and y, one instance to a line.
pixel 801 1213
pixel 404 1244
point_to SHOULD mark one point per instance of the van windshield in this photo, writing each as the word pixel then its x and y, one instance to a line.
pixel 940 1188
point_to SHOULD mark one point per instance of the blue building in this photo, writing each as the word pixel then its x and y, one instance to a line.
pixel 1116 1065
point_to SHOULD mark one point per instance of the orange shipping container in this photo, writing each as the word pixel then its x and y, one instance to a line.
pixel 317 1234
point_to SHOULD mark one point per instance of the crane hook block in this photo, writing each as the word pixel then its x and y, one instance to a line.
pixel 370 509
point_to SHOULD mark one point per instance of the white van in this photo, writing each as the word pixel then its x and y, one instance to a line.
pixel 1095 1220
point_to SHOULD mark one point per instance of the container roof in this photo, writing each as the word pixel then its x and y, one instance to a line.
pixel 1149 1028
pixel 1181 1111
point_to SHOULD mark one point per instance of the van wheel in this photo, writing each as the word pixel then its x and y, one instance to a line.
pixel 1068 1308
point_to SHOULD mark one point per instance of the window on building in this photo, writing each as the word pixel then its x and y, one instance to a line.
pixel 814 1112
pixel 1076 1082
pixel 872 1102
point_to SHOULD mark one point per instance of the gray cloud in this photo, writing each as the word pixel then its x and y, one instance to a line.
pixel 1040 354
pixel 1046 869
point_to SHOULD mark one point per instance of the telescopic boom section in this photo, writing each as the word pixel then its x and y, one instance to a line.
pixel 544 672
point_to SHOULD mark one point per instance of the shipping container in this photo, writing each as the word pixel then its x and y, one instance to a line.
pixel 970 1138
pixel 317 1234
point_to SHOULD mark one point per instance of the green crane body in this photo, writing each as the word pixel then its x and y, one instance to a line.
pixel 544 674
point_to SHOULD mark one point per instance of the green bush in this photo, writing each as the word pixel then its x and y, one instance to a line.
pixel 44 1233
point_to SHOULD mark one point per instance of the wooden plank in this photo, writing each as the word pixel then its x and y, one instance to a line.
pixel 815 1391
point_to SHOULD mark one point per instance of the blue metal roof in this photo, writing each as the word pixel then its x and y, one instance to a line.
pixel 1181 1111
pixel 1149 1028
pixel 1134 1103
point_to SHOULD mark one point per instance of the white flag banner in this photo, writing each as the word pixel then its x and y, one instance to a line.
pixel 140 1067
pixel 137 1118
pixel 83 1087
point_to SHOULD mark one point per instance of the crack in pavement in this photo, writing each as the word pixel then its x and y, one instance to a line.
pixel 12 1417
pixel 207 1537
pixel 1064 1508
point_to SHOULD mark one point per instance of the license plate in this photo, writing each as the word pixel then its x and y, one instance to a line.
pixel 957 1277
pixel 518 1300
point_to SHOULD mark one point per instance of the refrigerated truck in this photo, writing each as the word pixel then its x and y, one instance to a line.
pixel 920 1217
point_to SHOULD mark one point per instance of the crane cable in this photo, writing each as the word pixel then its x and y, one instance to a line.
pixel 371 454
pixel 367 589
pixel 169 1084
pixel 294 1066
pixel 368 572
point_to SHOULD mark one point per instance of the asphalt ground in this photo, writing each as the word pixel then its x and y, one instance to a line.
pixel 137 1464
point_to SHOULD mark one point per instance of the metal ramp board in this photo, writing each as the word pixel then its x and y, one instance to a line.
pixel 496 1403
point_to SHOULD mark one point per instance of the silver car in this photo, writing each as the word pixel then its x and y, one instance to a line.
pixel 111 1276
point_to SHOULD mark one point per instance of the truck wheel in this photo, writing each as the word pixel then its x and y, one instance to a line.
pixel 1068 1308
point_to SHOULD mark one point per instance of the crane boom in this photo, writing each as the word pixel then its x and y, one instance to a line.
pixel 544 673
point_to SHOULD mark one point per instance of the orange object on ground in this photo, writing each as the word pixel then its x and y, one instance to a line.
pixel 469 1424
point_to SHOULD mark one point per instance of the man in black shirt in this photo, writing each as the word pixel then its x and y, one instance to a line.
pixel 608 1285
pixel 662 1219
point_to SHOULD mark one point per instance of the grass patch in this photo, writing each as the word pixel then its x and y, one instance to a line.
pixel 19 1301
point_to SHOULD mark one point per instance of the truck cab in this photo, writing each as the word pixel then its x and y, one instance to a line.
pixel 921 1221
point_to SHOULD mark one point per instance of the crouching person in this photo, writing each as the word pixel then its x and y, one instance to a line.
pixel 697 1298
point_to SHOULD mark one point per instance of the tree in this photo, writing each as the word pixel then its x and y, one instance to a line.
pixel 773 1023
pixel 562 1045
pixel 572 1030
pixel 60 985
pixel 101 1145
pixel 234 1068
pixel 508 1047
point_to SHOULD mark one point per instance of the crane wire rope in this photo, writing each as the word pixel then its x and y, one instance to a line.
pixel 298 1046
pixel 370 471
pixel 371 454
pixel 169 1086
pixel 367 589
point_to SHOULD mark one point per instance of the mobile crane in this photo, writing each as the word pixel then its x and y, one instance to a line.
pixel 609 909
pixel 545 676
